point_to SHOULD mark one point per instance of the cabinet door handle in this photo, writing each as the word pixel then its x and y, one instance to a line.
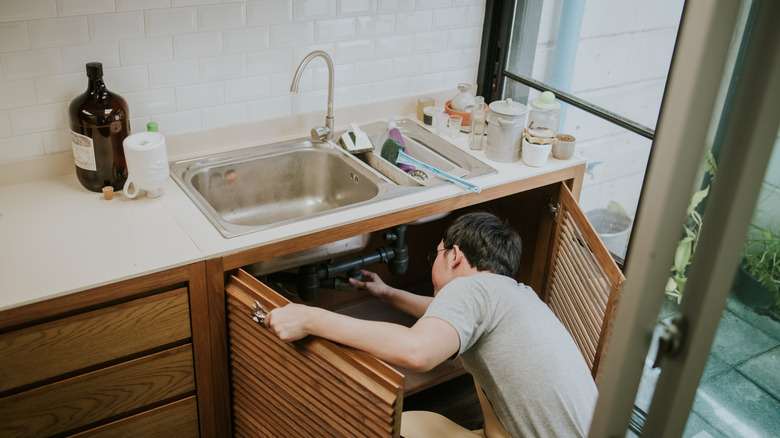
pixel 259 314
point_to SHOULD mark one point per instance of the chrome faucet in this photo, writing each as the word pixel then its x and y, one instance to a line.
pixel 319 132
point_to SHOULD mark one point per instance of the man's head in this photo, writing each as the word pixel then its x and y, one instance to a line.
pixel 486 241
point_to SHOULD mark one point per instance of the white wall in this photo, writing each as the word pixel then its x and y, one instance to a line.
pixel 192 65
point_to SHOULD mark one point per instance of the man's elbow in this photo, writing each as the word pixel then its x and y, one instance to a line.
pixel 418 360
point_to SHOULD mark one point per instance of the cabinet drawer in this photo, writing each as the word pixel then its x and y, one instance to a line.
pixel 69 344
pixel 100 395
pixel 174 420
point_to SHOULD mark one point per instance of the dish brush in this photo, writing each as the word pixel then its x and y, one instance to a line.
pixel 356 141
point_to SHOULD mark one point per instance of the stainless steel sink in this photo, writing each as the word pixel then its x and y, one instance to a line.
pixel 264 186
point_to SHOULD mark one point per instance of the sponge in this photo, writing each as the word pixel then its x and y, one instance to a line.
pixel 395 134
pixel 356 141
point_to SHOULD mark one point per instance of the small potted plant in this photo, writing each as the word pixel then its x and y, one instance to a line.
pixel 758 281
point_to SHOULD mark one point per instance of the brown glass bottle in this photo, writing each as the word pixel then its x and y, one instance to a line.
pixel 99 123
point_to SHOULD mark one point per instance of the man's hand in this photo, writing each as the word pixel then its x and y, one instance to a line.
pixel 373 284
pixel 289 322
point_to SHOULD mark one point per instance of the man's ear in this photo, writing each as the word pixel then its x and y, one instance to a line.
pixel 457 257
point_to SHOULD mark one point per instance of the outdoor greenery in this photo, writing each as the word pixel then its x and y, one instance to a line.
pixel 691 229
pixel 761 259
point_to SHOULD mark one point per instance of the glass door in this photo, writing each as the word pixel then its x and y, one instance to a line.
pixel 738 122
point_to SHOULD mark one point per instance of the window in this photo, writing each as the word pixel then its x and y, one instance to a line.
pixel 607 62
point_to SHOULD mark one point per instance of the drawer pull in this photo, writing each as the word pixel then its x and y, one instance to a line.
pixel 259 314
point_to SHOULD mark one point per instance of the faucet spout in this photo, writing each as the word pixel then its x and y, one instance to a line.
pixel 297 78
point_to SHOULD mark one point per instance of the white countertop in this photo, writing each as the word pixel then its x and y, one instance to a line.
pixel 58 238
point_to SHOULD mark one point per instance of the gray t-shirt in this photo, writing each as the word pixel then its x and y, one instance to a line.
pixel 520 354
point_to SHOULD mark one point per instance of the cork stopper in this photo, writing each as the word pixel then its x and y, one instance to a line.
pixel 108 193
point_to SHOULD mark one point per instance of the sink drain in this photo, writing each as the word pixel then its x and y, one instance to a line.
pixel 418 174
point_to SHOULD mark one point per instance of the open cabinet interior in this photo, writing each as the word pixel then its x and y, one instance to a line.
pixel 543 217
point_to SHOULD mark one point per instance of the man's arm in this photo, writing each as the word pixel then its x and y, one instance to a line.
pixel 407 302
pixel 421 347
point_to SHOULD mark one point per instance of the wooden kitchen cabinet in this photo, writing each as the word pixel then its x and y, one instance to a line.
pixel 109 361
pixel 563 260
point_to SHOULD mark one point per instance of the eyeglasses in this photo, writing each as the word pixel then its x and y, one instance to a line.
pixel 433 254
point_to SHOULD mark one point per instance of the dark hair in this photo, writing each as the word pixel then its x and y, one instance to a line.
pixel 487 242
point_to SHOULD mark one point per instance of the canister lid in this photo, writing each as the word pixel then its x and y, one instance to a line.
pixel 546 101
pixel 508 108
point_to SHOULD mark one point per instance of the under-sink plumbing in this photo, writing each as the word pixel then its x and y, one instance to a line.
pixel 312 277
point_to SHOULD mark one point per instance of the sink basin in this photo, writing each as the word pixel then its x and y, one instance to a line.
pixel 265 186
pixel 249 190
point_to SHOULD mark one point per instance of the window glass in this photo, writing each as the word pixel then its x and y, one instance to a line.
pixel 610 55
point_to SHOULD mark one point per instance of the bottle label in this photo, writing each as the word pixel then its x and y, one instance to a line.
pixel 83 151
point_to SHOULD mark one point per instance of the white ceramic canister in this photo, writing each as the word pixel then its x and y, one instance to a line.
pixel 545 112
pixel 506 121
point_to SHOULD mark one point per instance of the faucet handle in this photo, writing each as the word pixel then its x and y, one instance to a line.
pixel 319 133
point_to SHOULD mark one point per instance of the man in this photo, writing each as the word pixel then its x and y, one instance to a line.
pixel 516 349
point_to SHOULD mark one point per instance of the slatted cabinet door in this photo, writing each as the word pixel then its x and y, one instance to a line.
pixel 308 388
pixel 584 282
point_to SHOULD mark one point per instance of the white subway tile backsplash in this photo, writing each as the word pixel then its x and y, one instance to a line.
pixel 145 50
pixel 194 45
pixel 84 7
pixel 430 41
pixel 225 115
pixel 58 31
pixel 77 56
pixel 21 147
pixel 421 84
pixel 5 127
pixel 179 121
pixel 17 93
pixel 197 64
pixel 356 7
pixel 39 118
pixel 308 102
pixel 396 5
pixel 417 21
pixel 383 90
pixel 248 88
pixel 454 77
pixel 31 63
pixel 170 21
pixel 352 95
pixel 448 18
pixel 57 141
pixel 168 74
pixel 223 67
pixel 246 40
pixel 269 61
pixel 334 30
pixel 429 4
pixel 313 9
pixel 126 79
pixel 151 102
pixel 397 45
pixel 59 88
pixel 13 36
pixel 222 16
pixel 354 51
pixel 410 65
pixel 288 35
pixel 446 60
pixel 376 25
pixel 464 38
pixel 269 12
pixel 27 10
pixel 380 69
pixel 200 95
pixel 137 5
pixel 117 26
pixel 270 108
